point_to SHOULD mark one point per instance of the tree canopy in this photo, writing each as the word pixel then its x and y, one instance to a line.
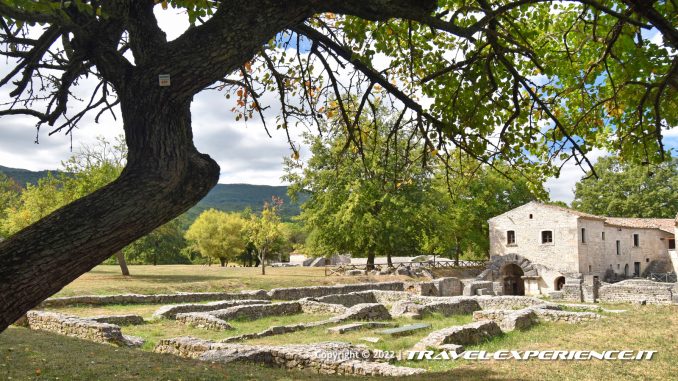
pixel 527 82
pixel 265 231
pixel 218 235
pixel 625 189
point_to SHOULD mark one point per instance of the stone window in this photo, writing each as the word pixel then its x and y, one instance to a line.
pixel 618 247
pixel 647 260
pixel 636 240
pixel 583 235
pixel 602 236
pixel 589 268
pixel 530 215
pixel 547 236
pixel 510 237
pixel 672 244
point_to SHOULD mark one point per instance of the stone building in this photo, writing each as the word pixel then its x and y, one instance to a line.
pixel 536 247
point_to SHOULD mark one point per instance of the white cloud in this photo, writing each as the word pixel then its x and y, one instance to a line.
pixel 562 188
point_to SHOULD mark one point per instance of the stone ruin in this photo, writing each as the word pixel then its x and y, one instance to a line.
pixel 373 304
pixel 83 328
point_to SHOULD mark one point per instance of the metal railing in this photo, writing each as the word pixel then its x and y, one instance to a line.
pixel 342 269
pixel 663 277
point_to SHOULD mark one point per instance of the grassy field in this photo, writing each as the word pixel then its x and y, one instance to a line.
pixel 30 355
pixel 106 279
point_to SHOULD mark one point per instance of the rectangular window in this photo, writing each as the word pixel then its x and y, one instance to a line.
pixel 636 240
pixel 618 247
pixel 546 236
pixel 510 237
pixel 583 235
pixel 602 235
pixel 672 244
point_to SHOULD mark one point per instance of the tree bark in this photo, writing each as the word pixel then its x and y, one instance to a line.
pixel 165 175
pixel 222 262
pixel 123 264
pixel 262 259
pixel 370 261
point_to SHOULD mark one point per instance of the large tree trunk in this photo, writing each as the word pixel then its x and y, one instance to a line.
pixel 165 175
pixel 123 264
pixel 222 261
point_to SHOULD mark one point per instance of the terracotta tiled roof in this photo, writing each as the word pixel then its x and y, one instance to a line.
pixel 664 224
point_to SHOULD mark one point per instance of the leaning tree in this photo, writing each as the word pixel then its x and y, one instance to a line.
pixel 532 83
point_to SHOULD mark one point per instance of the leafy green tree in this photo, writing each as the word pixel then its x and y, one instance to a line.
pixel 218 235
pixel 9 196
pixel 624 189
pixel 470 194
pixel 265 231
pixel 164 245
pixel 497 78
pixel 366 202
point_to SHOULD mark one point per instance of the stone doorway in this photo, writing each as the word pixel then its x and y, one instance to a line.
pixel 512 280
pixel 559 283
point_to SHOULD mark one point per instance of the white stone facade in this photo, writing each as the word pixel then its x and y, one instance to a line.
pixel 562 243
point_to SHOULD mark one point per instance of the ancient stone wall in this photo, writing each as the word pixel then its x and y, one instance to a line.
pixel 637 291
pixel 186 297
pixel 170 311
pixel 348 299
pixel 118 319
pixel 78 327
pixel 508 320
pixel 468 334
pixel 256 311
pixel 320 357
pixel 565 316
pixel 314 307
pixel 294 293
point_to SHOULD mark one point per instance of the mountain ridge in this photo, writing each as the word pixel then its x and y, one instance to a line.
pixel 226 197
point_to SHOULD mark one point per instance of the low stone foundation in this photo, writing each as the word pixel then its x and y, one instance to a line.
pixel 118 319
pixel 508 320
pixel 203 320
pixel 469 334
pixel 565 316
pixel 294 293
pixel 320 357
pixel 79 327
pixel 171 311
pixel 313 307
pixel 348 299
pixel 184 297
pixel 218 319
pixel 364 311
pixel 638 291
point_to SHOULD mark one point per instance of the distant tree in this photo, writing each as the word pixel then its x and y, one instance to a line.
pixel 471 194
pixel 265 231
pixel 218 235
pixel 87 170
pixel 9 196
pixel 624 189
pixel 164 245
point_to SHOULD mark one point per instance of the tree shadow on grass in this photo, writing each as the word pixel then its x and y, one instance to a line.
pixel 174 278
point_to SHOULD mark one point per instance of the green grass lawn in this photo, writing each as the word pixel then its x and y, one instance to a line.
pixel 31 355
pixel 25 353
pixel 146 279
pixel 154 331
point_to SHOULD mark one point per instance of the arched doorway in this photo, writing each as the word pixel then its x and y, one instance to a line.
pixel 512 279
pixel 559 283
